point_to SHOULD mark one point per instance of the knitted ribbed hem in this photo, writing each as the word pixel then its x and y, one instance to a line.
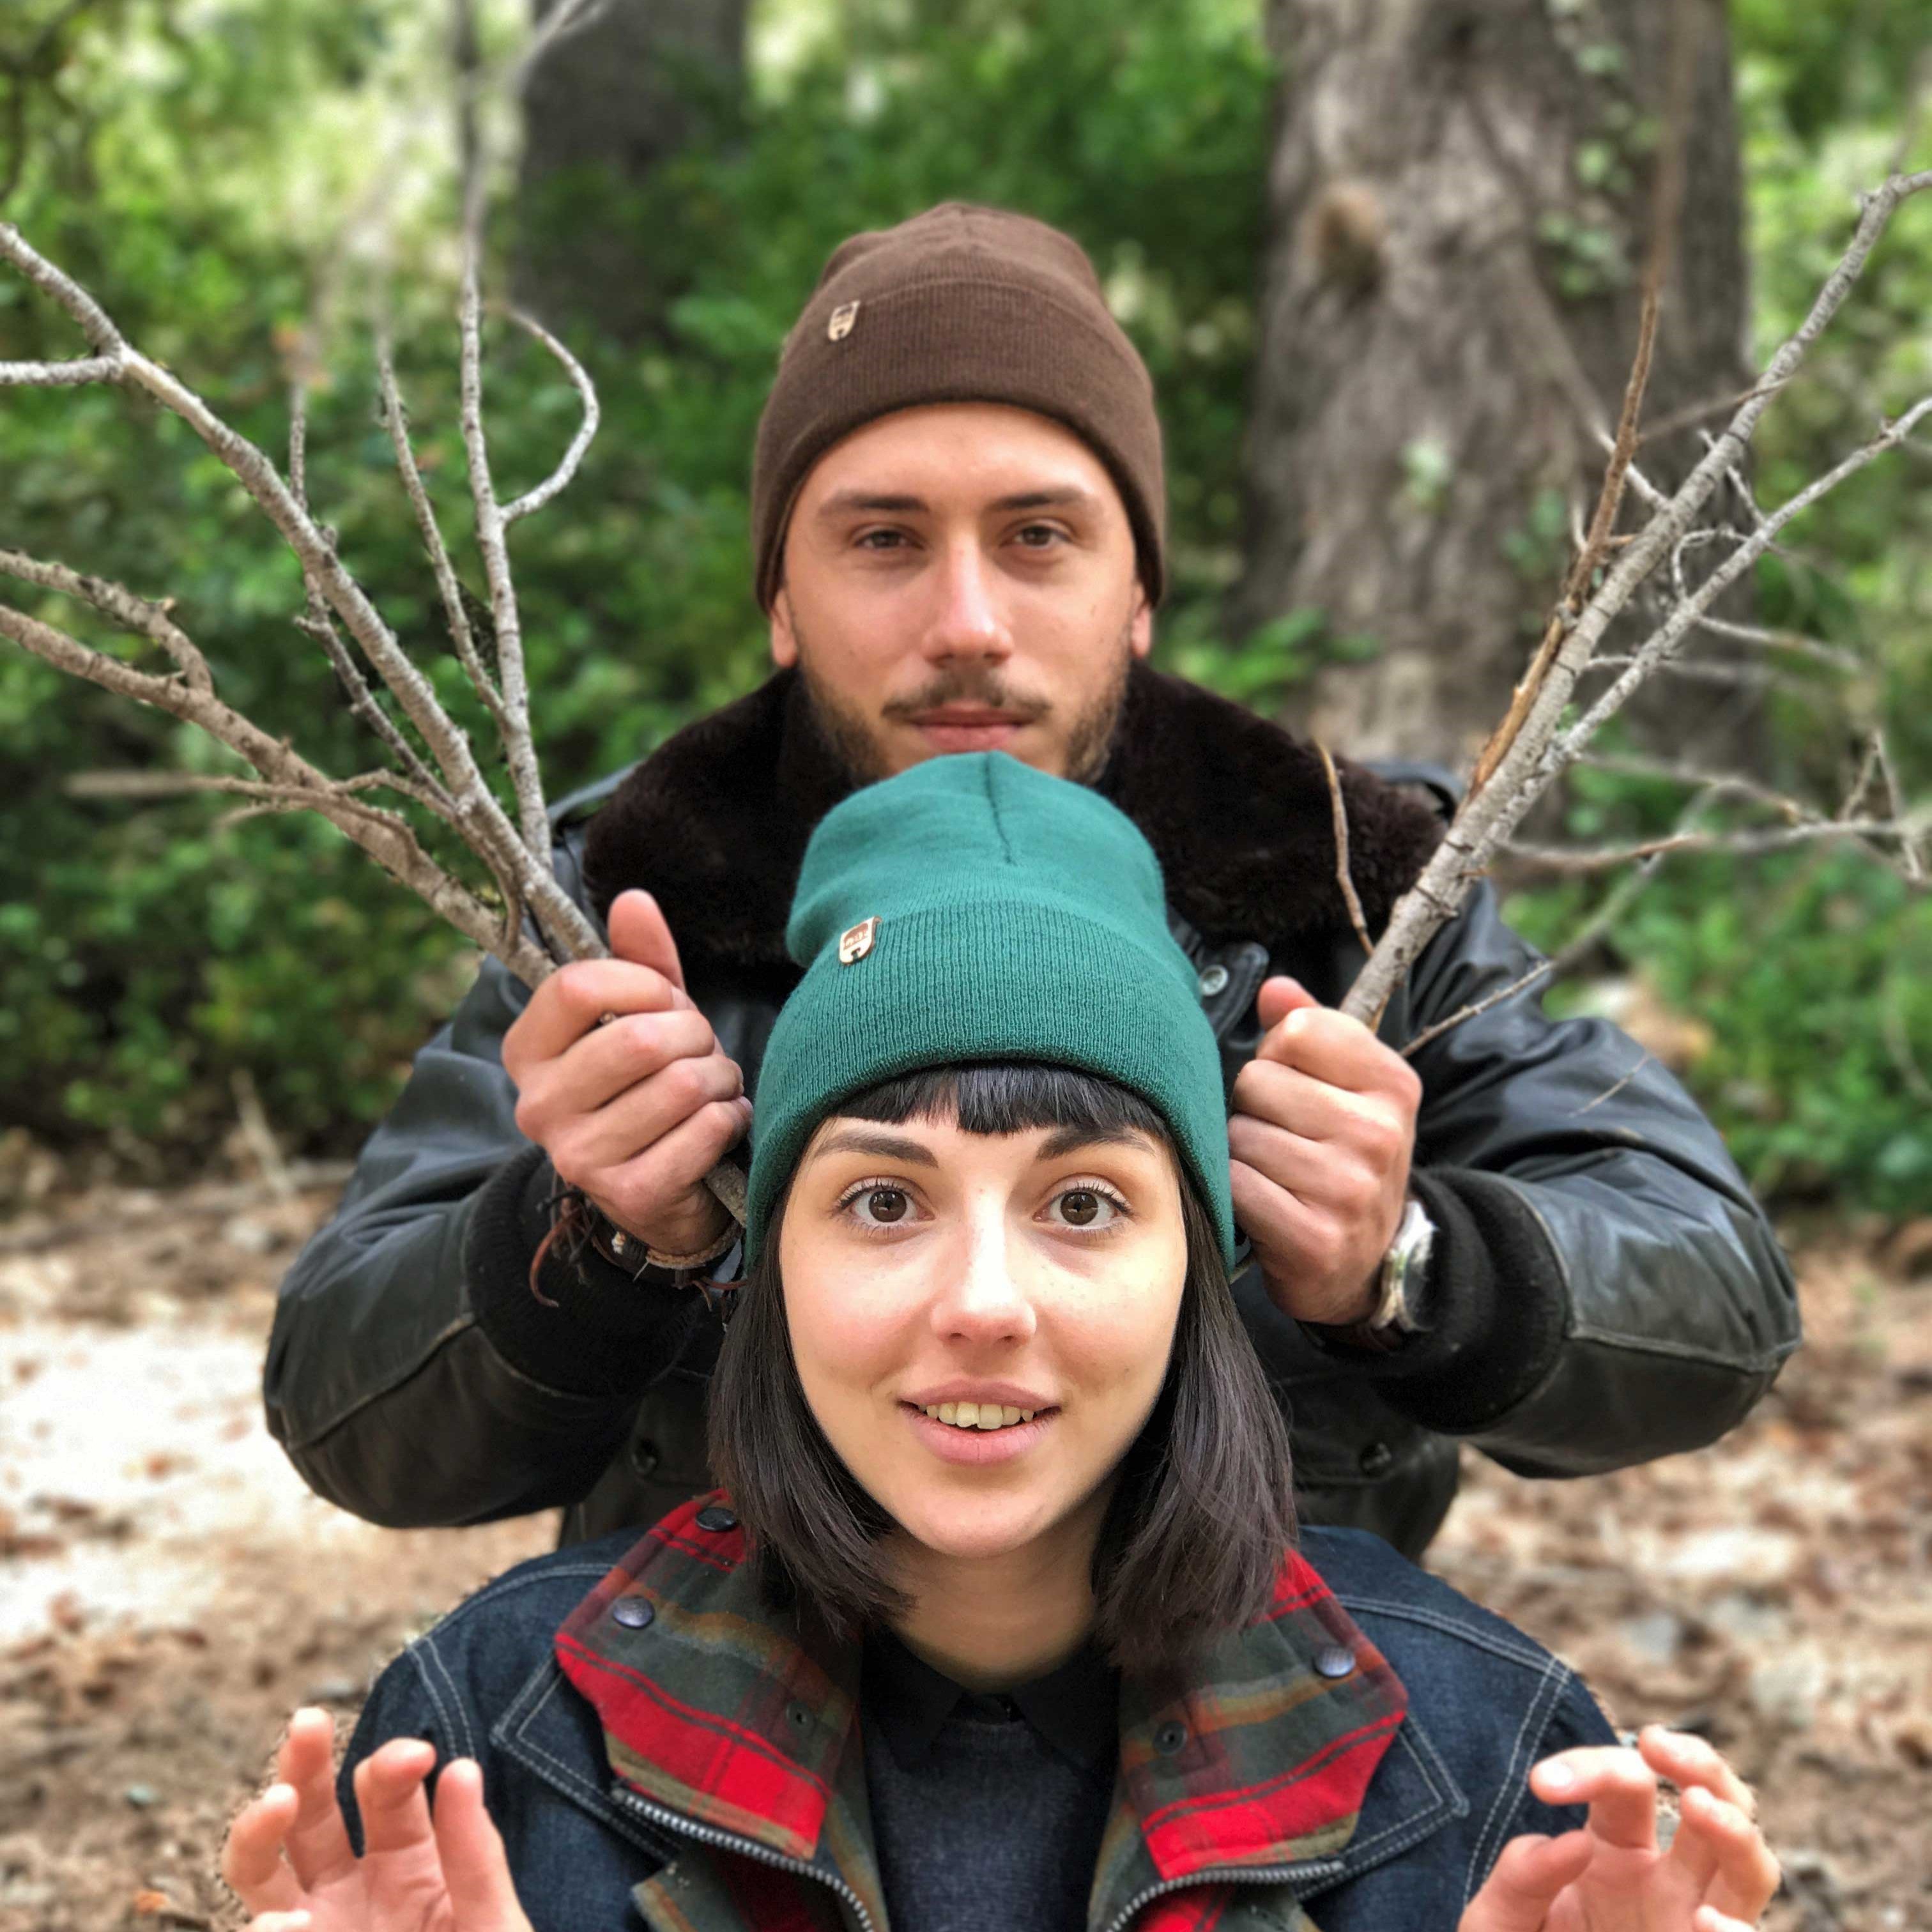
pixel 981 978
pixel 1493 1306
pixel 606 1334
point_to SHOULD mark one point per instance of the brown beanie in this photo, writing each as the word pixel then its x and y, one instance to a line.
pixel 959 305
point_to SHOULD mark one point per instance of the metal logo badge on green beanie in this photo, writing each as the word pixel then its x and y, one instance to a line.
pixel 974 909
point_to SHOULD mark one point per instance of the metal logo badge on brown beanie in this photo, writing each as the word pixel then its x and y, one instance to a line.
pixel 960 305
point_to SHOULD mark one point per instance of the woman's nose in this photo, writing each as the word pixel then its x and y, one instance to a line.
pixel 981 1300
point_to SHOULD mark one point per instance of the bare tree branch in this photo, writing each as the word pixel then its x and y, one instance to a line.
pixel 1536 753
pixel 396 418
pixel 559 478
pixel 519 748
pixel 1571 860
pixel 476 814
pixel 387 838
pixel 1344 877
pixel 137 614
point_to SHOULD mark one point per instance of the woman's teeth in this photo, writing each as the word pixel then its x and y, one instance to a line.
pixel 978 1414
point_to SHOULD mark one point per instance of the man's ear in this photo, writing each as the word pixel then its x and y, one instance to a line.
pixel 1140 624
pixel 784 639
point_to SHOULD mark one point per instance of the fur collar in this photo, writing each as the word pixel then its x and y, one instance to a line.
pixel 716 820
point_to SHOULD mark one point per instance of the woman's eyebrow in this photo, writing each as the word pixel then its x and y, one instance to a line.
pixel 1071 1140
pixel 881 1146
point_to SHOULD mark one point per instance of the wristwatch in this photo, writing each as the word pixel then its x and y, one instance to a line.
pixel 1393 1320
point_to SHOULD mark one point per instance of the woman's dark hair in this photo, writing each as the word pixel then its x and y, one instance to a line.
pixel 1202 1512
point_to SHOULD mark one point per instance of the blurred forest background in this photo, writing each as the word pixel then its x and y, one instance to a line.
pixel 1382 257
pixel 1371 493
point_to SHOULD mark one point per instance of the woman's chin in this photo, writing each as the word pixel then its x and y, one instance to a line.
pixel 975 1532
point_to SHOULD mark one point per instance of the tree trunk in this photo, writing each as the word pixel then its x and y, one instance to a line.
pixel 603 110
pixel 1458 206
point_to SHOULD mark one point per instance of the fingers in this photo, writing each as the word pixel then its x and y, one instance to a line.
pixel 280 1921
pixel 389 1794
pixel 572 1000
pixel 474 1866
pixel 252 1864
pixel 1724 1856
pixel 1330 1046
pixel 317 1841
pixel 611 1059
pixel 1277 997
pixel 637 1194
pixel 638 933
pixel 1319 1109
pixel 1686 1760
pixel 1619 1788
pixel 401 1864
pixel 1708 1918
pixel 1523 1884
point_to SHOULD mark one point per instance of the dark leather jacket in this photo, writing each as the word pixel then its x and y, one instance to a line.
pixel 1603 1290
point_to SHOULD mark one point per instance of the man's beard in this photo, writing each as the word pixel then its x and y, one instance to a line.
pixel 853 740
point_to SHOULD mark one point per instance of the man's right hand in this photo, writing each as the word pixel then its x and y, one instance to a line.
pixel 637 1111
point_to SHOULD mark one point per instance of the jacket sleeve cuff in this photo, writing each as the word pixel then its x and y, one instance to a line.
pixel 606 1334
pixel 1493 1308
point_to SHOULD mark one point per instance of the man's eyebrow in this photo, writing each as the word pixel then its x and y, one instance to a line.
pixel 847 502
pixel 881 1146
pixel 1070 1140
pixel 858 502
pixel 1069 497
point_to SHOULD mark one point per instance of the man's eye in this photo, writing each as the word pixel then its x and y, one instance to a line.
pixel 881 539
pixel 1085 1207
pixel 1038 536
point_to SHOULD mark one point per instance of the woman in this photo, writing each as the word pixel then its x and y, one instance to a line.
pixel 1003 1623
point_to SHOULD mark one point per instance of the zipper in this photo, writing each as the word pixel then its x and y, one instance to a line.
pixel 750 1848
pixel 1238 1874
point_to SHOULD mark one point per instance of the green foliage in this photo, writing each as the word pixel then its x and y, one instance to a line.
pixel 1814 984
pixel 213 170
pixel 207 183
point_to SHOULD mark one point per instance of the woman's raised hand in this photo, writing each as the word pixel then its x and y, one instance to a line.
pixel 289 1860
pixel 1717 1875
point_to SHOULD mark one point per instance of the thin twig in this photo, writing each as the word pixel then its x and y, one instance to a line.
pixel 1571 859
pixel 519 748
pixel 396 418
pixel 135 613
pixel 559 478
pixel 1339 810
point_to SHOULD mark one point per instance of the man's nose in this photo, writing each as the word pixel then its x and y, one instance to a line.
pixel 967 619
pixel 982 1301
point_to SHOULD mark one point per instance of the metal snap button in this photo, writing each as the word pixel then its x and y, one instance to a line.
pixel 715 1516
pixel 798 1716
pixel 1378 1459
pixel 1214 980
pixel 1334 1659
pixel 1169 1737
pixel 633 1612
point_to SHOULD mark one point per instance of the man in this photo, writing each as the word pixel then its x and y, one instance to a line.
pixel 1526 1237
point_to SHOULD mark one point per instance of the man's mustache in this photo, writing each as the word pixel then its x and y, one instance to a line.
pixel 979 689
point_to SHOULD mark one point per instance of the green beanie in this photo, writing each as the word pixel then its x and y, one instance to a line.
pixel 974 909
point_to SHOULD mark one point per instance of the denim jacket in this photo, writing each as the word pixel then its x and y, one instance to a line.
pixel 662 1748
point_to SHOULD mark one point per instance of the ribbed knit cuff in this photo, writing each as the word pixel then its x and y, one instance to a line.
pixel 606 1334
pixel 1493 1307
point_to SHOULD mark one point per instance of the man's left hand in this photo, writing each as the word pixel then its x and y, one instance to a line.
pixel 1320 1136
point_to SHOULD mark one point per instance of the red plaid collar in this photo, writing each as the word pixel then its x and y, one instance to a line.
pixel 716 1708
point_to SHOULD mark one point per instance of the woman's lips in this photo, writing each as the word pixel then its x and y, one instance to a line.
pixel 952 1443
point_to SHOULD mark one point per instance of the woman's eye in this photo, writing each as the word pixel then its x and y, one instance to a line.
pixel 1086 1207
pixel 1038 536
pixel 880 1207
pixel 880 539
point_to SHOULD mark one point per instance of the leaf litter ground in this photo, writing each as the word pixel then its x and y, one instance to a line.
pixel 169 1591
